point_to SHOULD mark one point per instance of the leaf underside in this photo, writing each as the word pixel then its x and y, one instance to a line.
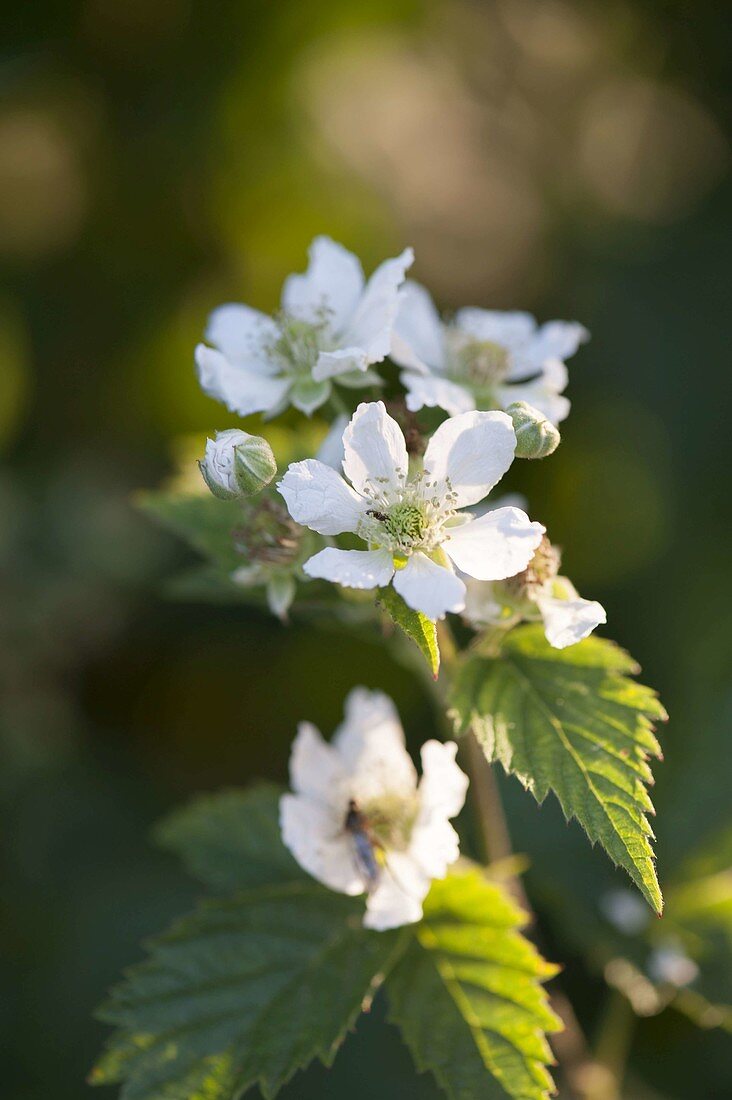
pixel 467 995
pixel 573 722
pixel 421 630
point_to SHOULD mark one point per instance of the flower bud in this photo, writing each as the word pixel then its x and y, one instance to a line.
pixel 237 464
pixel 536 437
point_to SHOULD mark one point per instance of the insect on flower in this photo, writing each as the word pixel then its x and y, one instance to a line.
pixel 365 843
pixel 361 821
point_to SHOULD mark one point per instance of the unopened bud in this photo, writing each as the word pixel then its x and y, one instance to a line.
pixel 237 464
pixel 536 437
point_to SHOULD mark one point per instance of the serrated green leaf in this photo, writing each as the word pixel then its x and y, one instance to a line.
pixel 415 625
pixel 467 995
pixel 571 721
pixel 206 523
pixel 244 991
pixel 231 840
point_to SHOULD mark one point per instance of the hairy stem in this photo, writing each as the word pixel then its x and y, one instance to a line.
pixel 584 1076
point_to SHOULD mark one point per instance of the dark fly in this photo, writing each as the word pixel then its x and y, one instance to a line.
pixel 382 518
pixel 365 845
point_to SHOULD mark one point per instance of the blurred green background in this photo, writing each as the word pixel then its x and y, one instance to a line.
pixel 158 157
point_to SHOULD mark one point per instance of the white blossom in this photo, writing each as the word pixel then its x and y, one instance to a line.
pixel 481 359
pixel 536 594
pixel 360 821
pixel 410 520
pixel 332 326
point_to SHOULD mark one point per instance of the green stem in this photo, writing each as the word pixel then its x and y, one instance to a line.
pixel 580 1071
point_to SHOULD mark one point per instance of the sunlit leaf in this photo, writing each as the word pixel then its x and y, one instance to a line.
pixel 573 722
pixel 467 995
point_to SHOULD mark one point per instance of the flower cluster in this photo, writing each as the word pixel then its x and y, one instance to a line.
pixel 377 506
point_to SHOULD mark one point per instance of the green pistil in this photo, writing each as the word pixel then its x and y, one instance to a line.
pixel 298 345
pixel 481 363
pixel 391 820
pixel 405 523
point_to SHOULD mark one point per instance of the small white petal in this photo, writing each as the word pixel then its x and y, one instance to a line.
pixel 240 389
pixel 429 588
pixel 316 769
pixel 554 406
pixel 307 395
pixel 433 391
pixel 243 334
pixel 331 364
pixel 351 568
pixel 470 452
pixel 375 451
pixel 481 606
pixel 371 325
pixel 509 330
pixel 280 594
pixel 496 545
pixel 331 449
pixel 569 621
pixel 319 498
pixel 444 785
pixel 331 286
pixel 319 842
pixel 558 340
pixel 398 897
pixel 371 745
pixel 417 340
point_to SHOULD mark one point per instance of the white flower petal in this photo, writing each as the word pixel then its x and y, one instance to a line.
pixel 417 339
pixel 435 392
pixel 319 842
pixel 371 326
pixel 351 568
pixel 429 588
pixel 509 329
pixel 569 621
pixel 375 451
pixel 281 590
pixel 316 769
pixel 444 785
pixel 481 606
pixel 331 364
pixel 330 287
pixel 548 401
pixel 331 449
pixel 398 896
pixel 371 745
pixel 240 389
pixel 557 340
pixel 243 334
pixel 319 498
pixel 307 395
pixel 471 452
pixel 496 545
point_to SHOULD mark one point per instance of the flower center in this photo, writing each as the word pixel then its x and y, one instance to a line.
pixel 482 364
pixel 299 343
pixel 405 523
pixel 390 820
